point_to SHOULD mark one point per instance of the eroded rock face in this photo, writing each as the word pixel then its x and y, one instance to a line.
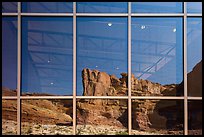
pixel 95 83
pixel 195 81
pixel 111 112
pixel 144 116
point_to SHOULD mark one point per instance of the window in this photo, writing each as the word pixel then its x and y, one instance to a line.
pixel 47 55
pixel 156 56
pixel 48 117
pixel 102 55
pixel 157 117
pixel 9 7
pixel 194 59
pixel 194 7
pixel 47 7
pixel 102 7
pixel 157 7
pixel 101 68
pixel 9 56
pixel 9 117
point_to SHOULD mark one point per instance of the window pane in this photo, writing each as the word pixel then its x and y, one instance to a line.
pixel 102 117
pixel 102 7
pixel 194 7
pixel 48 7
pixel 9 7
pixel 101 56
pixel 194 51
pixel 157 67
pixel 157 117
pixel 9 56
pixel 157 7
pixel 46 117
pixel 47 55
pixel 9 117
pixel 195 117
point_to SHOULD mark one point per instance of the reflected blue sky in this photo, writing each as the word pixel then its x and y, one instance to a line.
pixel 102 7
pixel 9 7
pixel 9 52
pixel 157 49
pixel 47 55
pixel 194 47
pixel 194 7
pixel 48 7
pixel 157 7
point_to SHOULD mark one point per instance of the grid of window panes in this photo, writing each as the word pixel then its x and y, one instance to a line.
pixel 101 68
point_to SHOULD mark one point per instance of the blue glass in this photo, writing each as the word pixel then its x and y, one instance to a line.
pixel 194 7
pixel 194 56
pixel 47 50
pixel 157 54
pixel 102 7
pixel 102 46
pixel 9 55
pixel 47 7
pixel 157 7
pixel 9 7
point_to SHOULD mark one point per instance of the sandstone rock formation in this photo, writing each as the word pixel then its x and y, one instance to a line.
pixel 8 92
pixel 39 111
pixel 195 81
pixel 146 114
pixel 96 83
pixel 112 113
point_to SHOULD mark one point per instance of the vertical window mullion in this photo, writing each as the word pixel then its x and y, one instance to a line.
pixel 74 68
pixel 185 70
pixel 129 71
pixel 19 71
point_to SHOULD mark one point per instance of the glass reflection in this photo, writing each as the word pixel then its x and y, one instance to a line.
pixel 102 7
pixel 194 56
pixel 157 67
pixel 157 117
pixel 47 55
pixel 9 117
pixel 195 117
pixel 46 117
pixel 48 7
pixel 194 7
pixel 9 56
pixel 102 117
pixel 101 56
pixel 157 7
pixel 9 7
